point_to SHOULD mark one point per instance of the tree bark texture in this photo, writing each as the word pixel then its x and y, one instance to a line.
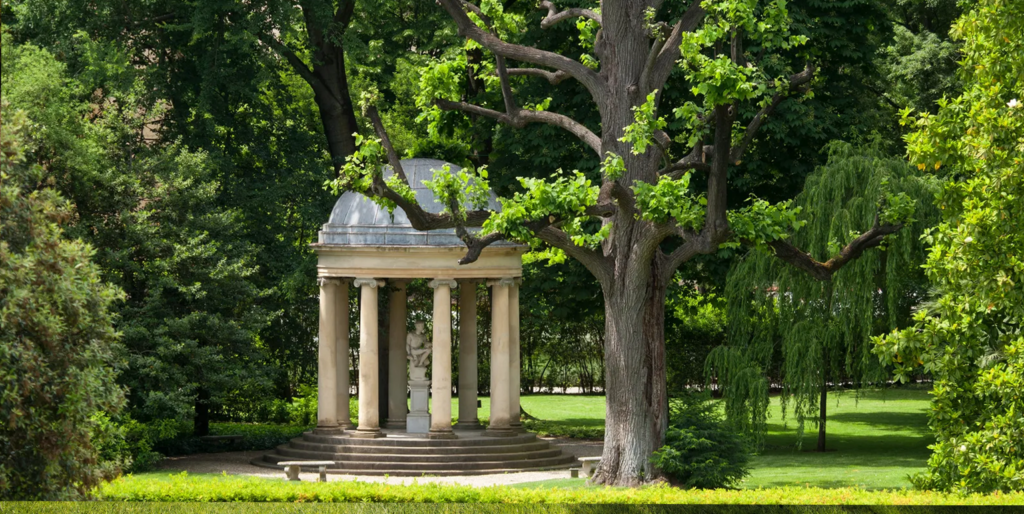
pixel 635 387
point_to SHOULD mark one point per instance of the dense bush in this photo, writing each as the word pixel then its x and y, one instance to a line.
pixel 57 337
pixel 254 437
pixel 126 445
pixel 700 451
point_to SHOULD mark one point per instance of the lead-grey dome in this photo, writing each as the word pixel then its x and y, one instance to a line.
pixel 357 221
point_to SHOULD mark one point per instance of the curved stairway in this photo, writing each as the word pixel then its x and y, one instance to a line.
pixel 402 454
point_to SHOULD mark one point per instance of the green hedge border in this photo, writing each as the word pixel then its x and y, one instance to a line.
pixel 428 508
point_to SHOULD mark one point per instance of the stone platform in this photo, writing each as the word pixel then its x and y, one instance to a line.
pixel 403 454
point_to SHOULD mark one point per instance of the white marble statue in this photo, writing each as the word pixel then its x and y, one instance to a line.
pixel 418 349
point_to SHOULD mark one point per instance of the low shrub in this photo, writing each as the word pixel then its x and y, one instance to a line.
pixel 700 450
pixel 126 445
pixel 223 488
pixel 254 437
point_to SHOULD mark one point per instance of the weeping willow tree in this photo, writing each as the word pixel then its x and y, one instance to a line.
pixel 811 333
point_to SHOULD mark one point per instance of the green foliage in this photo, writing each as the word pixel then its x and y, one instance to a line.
pixel 217 488
pixel 125 445
pixel 718 79
pixel 969 338
pixel 671 199
pixel 695 323
pixel 564 198
pixel 57 336
pixel 191 313
pixel 640 133
pixel 787 327
pixel 760 221
pixel 466 189
pixel 700 450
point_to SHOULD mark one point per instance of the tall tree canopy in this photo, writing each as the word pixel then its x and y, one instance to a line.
pixel 644 220
pixel 970 338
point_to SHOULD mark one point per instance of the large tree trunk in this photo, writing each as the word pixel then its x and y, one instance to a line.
pixel 332 98
pixel 636 396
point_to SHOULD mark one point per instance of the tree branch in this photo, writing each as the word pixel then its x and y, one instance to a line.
pixel 524 116
pixel 385 141
pixel 824 270
pixel 418 217
pixel 554 16
pixel 296 63
pixel 553 77
pixel 594 262
pixel 795 81
pixel 666 60
pixel 589 78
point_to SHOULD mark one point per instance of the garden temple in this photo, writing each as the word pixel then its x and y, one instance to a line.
pixel 363 249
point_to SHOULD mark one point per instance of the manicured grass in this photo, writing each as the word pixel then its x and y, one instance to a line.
pixel 877 438
pixel 213 488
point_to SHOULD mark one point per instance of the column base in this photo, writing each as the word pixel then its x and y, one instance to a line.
pixel 328 430
pixel 347 426
pixel 395 425
pixel 468 425
pixel 441 434
pixel 499 432
pixel 517 428
pixel 366 433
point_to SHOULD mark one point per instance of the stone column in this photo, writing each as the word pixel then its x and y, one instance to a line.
pixel 341 357
pixel 398 376
pixel 327 373
pixel 467 357
pixel 369 417
pixel 500 395
pixel 441 361
pixel 513 356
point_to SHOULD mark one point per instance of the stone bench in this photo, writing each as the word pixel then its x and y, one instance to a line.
pixel 589 465
pixel 291 467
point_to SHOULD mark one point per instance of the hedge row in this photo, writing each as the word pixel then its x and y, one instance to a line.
pixel 199 488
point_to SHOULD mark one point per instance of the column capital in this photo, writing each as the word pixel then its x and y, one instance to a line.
pixel 373 283
pixel 331 281
pixel 503 281
pixel 438 282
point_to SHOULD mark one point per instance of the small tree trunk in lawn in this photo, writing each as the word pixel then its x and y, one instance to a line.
pixel 637 403
pixel 822 407
pixel 201 426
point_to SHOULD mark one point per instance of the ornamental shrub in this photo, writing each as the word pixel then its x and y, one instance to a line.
pixel 57 338
pixel 971 337
pixel 700 450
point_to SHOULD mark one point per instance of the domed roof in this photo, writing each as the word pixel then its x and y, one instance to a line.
pixel 357 221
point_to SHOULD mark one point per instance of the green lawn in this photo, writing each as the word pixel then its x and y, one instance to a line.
pixel 878 437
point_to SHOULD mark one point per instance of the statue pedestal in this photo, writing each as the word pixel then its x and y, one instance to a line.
pixel 418 419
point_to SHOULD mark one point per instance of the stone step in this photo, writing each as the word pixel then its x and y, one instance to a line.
pixel 420 443
pixel 441 468
pixel 302 444
pixel 421 457
pixel 416 473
